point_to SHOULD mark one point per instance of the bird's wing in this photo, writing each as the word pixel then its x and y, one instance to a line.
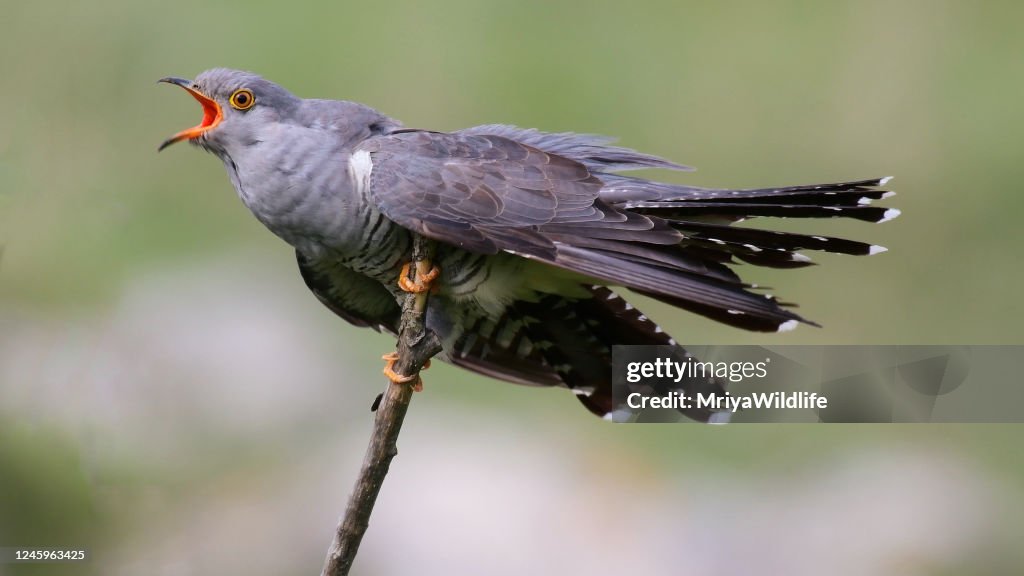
pixel 487 193
pixel 357 299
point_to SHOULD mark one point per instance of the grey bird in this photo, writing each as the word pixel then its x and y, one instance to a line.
pixel 535 230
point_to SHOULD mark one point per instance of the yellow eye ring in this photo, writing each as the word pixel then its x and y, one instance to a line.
pixel 242 99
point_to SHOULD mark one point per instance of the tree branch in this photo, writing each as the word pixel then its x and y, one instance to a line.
pixel 416 345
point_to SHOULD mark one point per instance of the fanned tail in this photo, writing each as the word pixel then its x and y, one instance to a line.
pixel 705 218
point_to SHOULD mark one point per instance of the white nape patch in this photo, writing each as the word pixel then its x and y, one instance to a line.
pixel 884 181
pixel 798 257
pixel 752 248
pixel 787 326
pixel 360 166
pixel 889 215
pixel 720 418
pixel 876 249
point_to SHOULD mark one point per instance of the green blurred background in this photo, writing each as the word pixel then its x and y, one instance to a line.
pixel 174 399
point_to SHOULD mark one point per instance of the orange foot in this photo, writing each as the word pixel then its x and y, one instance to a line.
pixel 422 282
pixel 389 371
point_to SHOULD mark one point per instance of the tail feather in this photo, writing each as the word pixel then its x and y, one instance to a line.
pixel 684 203
pixel 859 192
pixel 626 191
pixel 733 317
pixel 677 256
pixel 823 197
pixel 685 210
pixel 757 240
pixel 579 335
pixel 722 300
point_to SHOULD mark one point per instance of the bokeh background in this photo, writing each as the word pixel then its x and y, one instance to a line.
pixel 172 398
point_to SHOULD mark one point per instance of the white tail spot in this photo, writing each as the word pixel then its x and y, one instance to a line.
pixel 889 215
pixel 787 326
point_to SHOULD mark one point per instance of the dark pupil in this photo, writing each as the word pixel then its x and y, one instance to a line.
pixel 242 99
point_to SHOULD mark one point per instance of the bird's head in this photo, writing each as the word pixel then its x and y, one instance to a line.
pixel 237 108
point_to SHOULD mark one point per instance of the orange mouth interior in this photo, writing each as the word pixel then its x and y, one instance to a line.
pixel 211 112
pixel 212 116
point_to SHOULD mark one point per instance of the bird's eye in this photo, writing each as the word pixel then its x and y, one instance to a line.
pixel 242 99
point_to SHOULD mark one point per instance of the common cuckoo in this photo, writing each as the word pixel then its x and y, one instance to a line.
pixel 536 231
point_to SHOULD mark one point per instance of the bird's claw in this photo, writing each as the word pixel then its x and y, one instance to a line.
pixel 395 377
pixel 421 283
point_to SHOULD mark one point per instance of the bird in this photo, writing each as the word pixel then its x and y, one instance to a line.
pixel 537 233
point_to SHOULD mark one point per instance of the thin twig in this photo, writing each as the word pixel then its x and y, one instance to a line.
pixel 416 346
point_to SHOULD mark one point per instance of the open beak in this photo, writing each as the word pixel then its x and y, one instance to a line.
pixel 212 114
